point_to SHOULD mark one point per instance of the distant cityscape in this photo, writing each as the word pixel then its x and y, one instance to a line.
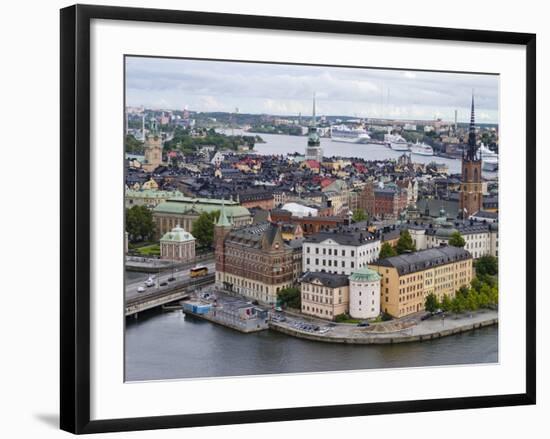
pixel 260 222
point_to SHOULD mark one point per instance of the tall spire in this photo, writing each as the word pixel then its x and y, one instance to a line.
pixel 314 120
pixel 222 219
pixel 472 147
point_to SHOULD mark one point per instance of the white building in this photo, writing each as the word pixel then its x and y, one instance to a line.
pixel 364 294
pixel 178 245
pixel 299 210
pixel 217 159
pixel 481 238
pixel 341 252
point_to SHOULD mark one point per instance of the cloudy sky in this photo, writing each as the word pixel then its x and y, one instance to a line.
pixel 288 90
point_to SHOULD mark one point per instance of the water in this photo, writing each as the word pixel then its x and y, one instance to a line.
pixel 283 144
pixel 171 345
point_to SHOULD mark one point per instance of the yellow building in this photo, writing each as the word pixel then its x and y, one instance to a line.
pixel 408 278
pixel 325 295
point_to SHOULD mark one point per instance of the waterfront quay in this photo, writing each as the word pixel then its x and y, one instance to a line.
pixel 410 329
pixel 232 312
pixel 244 316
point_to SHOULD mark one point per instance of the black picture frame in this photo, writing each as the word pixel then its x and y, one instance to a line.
pixel 75 217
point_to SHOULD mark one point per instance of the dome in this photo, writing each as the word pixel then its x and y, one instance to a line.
pixel 177 234
pixel 445 232
pixel 364 274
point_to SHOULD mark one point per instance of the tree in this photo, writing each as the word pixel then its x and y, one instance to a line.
pixel 132 145
pixel 486 265
pixel 203 228
pixel 405 243
pixel 446 303
pixel 359 215
pixel 387 251
pixel 290 297
pixel 458 304
pixel 139 223
pixel 456 240
pixel 432 304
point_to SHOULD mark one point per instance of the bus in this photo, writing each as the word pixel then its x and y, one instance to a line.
pixel 198 271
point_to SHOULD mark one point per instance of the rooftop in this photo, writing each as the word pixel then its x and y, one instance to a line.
pixel 424 259
pixel 326 279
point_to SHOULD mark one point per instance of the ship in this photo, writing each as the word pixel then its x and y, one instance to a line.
pixel 489 159
pixel 396 142
pixel 421 149
pixel 343 133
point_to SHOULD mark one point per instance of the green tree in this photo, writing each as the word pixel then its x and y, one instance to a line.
pixel 456 240
pixel 446 303
pixel 432 304
pixel 486 265
pixel 405 243
pixel 458 304
pixel 139 223
pixel 472 300
pixel 463 291
pixel 132 145
pixel 387 251
pixel 359 215
pixel 203 228
pixel 290 297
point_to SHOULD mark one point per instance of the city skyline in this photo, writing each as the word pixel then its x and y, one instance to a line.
pixel 286 90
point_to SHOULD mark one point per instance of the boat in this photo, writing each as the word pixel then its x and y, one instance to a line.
pixel 396 142
pixel 421 149
pixel 343 133
pixel 489 159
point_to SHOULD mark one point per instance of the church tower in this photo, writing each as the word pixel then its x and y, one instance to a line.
pixel 471 195
pixel 313 149
pixel 221 230
pixel 153 150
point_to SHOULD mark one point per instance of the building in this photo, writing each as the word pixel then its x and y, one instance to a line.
pixel 309 224
pixel 153 151
pixel 471 190
pixel 178 245
pixel 185 211
pixel 254 260
pixel 313 149
pixel 261 198
pixel 324 295
pixel 407 279
pixel 148 197
pixel 386 202
pixel 339 251
pixel 364 294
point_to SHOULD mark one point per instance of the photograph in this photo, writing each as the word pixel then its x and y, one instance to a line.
pixel 288 218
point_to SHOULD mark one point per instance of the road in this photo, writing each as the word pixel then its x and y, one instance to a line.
pixel 181 276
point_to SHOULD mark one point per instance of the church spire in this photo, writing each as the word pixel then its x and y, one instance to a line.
pixel 471 153
pixel 222 219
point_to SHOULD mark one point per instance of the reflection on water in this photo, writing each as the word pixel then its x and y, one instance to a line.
pixel 170 345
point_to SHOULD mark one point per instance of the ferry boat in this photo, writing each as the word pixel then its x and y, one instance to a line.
pixel 396 142
pixel 343 133
pixel 489 159
pixel 421 149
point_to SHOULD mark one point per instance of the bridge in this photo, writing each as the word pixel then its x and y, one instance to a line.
pixel 158 297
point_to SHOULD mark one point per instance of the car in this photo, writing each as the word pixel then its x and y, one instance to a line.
pixel 140 289
pixel 255 302
pixel 278 309
pixel 363 324
pixel 438 312
pixel 426 316
pixel 171 279
pixel 163 284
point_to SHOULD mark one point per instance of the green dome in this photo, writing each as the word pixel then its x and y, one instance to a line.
pixel 365 274
pixel 445 232
pixel 177 234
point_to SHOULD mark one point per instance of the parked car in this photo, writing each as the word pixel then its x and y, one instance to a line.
pixel 163 284
pixel 363 324
pixel 426 316
pixel 171 279
pixel 140 289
